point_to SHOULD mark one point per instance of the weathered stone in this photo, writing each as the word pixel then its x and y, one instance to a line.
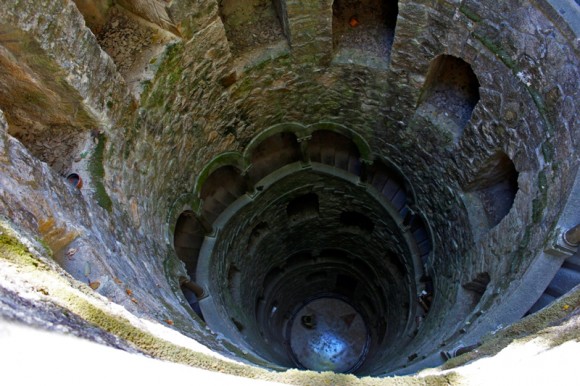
pixel 202 97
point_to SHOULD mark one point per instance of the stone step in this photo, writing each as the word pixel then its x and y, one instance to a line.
pixel 354 165
pixel 542 302
pixel 564 281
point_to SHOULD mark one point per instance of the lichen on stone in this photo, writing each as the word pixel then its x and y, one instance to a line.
pixel 97 170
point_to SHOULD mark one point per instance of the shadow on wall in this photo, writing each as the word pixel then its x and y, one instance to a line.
pixel 495 186
pixel 187 240
pixel 449 95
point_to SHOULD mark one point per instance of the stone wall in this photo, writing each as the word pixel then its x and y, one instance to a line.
pixel 202 102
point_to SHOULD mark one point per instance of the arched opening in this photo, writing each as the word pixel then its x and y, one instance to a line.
pixel 220 189
pixel 363 31
pixel 272 153
pixel 334 149
pixel 449 95
pixel 477 286
pixel 192 294
pixel 95 13
pixel 421 234
pixel 187 240
pixel 303 207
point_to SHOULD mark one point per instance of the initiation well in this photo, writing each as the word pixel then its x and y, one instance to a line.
pixel 359 186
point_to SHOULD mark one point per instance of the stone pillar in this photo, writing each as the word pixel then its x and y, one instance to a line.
pixel 304 156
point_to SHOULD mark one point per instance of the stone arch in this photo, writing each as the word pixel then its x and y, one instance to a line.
pixel 334 149
pixel 133 35
pixel 421 232
pixel 391 184
pixel 95 13
pixel 222 187
pixel 360 142
pixel 299 130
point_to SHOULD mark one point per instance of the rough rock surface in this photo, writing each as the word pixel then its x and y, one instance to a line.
pixel 527 65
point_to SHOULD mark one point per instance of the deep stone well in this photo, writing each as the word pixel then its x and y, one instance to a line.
pixel 278 152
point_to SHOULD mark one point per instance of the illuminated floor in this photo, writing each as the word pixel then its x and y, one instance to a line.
pixel 328 334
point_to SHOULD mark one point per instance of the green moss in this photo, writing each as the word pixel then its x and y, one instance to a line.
pixel 13 250
pixel 469 13
pixel 97 171
pixel 496 49
pixel 538 206
pixel 46 247
pixel 156 96
pixel 526 238
pixel 151 344
pixel 76 299
pixel 541 106
pixel 548 151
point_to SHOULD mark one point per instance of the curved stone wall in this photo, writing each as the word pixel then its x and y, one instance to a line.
pixel 491 187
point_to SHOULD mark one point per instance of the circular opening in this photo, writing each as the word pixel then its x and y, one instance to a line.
pixel 75 180
pixel 329 284
pixel 328 334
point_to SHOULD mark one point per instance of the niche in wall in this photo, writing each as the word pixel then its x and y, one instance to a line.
pixel 253 23
pixel 356 222
pixel 303 207
pixel 187 241
pixel 134 43
pixel 495 186
pixel 258 233
pixel 449 95
pixel 334 149
pixel 363 31
pixel 273 153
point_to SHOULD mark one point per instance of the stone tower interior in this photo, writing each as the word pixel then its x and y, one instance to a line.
pixel 302 192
